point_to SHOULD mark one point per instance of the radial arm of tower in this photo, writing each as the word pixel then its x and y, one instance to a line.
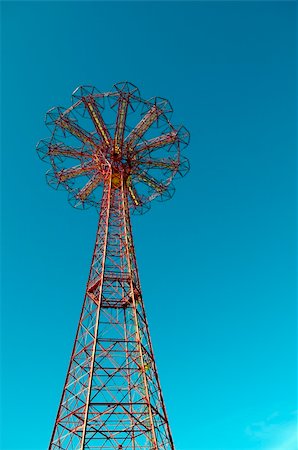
pixel 112 397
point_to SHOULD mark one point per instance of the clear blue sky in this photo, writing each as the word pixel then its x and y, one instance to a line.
pixel 217 262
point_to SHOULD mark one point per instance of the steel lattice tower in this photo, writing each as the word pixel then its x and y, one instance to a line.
pixel 112 397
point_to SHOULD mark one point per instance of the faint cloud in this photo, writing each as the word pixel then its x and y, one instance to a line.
pixel 276 432
pixel 263 429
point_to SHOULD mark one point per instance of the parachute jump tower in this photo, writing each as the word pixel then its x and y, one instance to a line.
pixel 117 152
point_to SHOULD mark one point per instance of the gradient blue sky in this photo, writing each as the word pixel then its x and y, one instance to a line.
pixel 217 262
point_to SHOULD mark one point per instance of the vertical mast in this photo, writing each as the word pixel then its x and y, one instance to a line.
pixel 112 375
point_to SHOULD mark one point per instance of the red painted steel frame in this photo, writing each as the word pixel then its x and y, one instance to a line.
pixel 112 397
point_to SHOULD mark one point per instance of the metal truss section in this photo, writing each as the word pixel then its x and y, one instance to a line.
pixel 112 397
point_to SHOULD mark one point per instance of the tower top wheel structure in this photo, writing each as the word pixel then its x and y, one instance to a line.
pixel 117 152
pixel 116 134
